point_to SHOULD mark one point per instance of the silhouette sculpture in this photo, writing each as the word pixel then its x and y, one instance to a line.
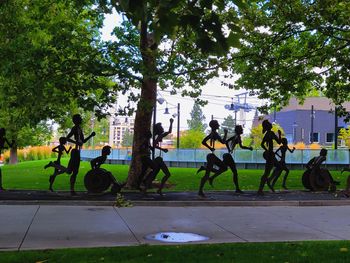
pixel 154 166
pixel 269 154
pixel 282 165
pixel 346 192
pixel 3 140
pixel 74 161
pixel 227 158
pixel 59 169
pixel 212 159
pixel 98 180
pixel 316 178
pixel 146 161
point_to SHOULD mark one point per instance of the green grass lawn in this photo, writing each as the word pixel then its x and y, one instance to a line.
pixel 32 175
pixel 311 251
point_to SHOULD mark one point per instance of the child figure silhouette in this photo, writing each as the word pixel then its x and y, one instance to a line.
pixel 282 165
pixel 59 169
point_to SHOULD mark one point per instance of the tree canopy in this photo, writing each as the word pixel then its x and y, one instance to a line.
pixel 51 58
pixel 197 120
pixel 192 139
pixel 127 138
pixel 290 48
pixel 229 124
pixel 178 45
pixel 51 55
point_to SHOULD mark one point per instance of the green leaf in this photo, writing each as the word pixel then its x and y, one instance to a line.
pixel 233 40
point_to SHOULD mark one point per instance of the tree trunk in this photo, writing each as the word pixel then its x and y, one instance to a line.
pixel 13 155
pixel 142 126
pixel 143 117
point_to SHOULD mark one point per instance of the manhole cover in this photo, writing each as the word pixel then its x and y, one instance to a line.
pixel 176 237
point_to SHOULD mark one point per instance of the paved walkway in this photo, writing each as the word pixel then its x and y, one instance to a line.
pixel 40 219
pixel 45 226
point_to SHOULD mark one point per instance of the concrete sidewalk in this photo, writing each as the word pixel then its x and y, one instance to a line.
pixel 43 226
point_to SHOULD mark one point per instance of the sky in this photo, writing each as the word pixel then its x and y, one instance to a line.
pixel 217 95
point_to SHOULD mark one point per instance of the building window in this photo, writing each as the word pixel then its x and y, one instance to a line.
pixel 329 137
pixel 315 137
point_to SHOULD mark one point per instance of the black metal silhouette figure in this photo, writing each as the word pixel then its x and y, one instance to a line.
pixel 157 164
pixel 3 140
pixel 147 163
pixel 227 158
pixel 316 178
pixel 346 191
pixel 74 161
pixel 98 180
pixel 282 165
pixel 212 159
pixel 59 169
pixel 269 154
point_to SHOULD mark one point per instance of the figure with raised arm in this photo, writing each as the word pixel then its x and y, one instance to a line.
pixel 74 161
pixel 281 153
pixel 157 164
pixel 269 154
pixel 227 157
pixel 212 159
pixel 4 140
pixel 59 169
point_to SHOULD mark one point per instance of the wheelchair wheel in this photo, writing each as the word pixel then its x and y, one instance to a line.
pixel 306 180
pixel 97 180
pixel 322 184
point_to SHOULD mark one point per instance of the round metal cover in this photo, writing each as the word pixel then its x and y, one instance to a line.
pixel 176 237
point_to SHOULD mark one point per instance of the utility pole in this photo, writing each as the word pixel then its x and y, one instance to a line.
pixel 178 126
pixel 335 127
pixel 235 118
pixel 312 124
pixel 154 124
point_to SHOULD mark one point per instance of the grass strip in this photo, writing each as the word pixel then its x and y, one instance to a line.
pixel 310 251
pixel 32 175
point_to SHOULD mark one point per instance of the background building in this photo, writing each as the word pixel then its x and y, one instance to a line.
pixel 118 126
pixel 300 123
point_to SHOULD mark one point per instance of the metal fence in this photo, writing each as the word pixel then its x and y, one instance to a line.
pixel 195 157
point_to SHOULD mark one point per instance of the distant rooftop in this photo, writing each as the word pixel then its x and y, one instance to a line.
pixel 319 103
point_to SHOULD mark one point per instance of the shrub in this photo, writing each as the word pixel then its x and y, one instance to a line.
pixel 314 146
pixel 31 153
pixel 300 146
